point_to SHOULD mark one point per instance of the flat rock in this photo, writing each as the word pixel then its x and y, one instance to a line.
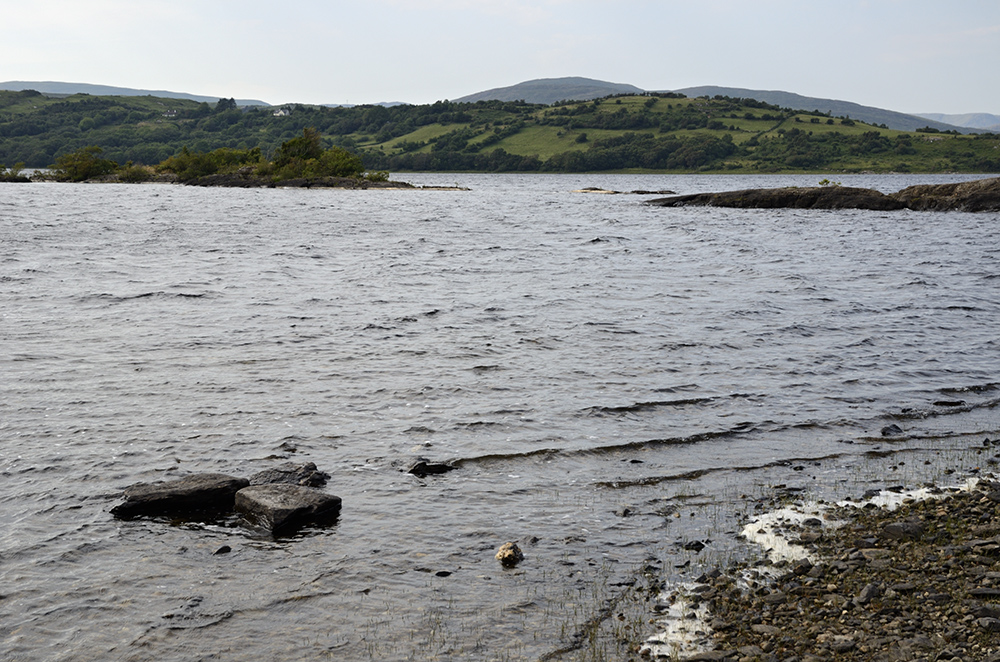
pixel 281 507
pixel 296 474
pixel 196 493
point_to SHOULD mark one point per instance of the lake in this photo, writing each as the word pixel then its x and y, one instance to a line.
pixel 613 381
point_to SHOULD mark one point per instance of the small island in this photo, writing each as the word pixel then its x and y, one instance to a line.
pixel 973 196
pixel 301 162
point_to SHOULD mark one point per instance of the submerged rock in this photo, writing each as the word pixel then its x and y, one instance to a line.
pixel 296 474
pixel 422 468
pixel 197 493
pixel 973 196
pixel 282 507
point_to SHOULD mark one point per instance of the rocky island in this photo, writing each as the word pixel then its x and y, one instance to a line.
pixel 973 196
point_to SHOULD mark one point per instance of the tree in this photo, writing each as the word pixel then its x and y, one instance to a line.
pixel 83 164
pixel 304 147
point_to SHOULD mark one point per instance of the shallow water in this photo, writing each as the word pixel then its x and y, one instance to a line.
pixel 594 366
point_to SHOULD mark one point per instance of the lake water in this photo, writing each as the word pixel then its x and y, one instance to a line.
pixel 613 381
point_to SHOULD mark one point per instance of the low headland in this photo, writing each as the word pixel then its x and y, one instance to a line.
pixel 973 196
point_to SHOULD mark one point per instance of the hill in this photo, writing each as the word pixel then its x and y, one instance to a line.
pixel 649 132
pixel 551 90
pixel 867 114
pixel 984 121
pixel 54 88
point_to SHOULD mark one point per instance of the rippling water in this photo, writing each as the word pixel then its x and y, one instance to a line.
pixel 594 366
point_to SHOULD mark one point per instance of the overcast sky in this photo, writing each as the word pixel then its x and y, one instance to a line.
pixel 905 55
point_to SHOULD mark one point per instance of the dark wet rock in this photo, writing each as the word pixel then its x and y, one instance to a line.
pixel 192 494
pixel 296 474
pixel 282 507
pixel 892 431
pixel 975 196
pixel 422 469
pixel 908 530
pixel 817 197
pixel 694 546
pixel 225 549
pixel 245 179
pixel 509 554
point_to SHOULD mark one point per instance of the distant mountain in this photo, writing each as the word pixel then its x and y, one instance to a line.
pixel 892 119
pixel 550 90
pixel 52 87
pixel 971 120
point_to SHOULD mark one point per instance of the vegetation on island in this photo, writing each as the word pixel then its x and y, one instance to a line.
pixel 651 132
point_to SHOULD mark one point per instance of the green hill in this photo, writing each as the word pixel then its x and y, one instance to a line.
pixel 551 90
pixel 629 133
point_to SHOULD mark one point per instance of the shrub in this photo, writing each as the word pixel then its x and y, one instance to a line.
pixel 83 164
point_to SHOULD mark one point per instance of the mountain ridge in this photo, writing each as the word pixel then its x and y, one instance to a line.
pixel 551 90
pixel 59 88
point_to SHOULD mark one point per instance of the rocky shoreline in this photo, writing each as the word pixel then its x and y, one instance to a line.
pixel 921 582
pixel 973 196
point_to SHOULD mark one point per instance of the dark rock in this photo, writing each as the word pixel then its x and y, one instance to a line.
pixel 817 197
pixel 206 493
pixel 281 507
pixel 225 549
pixel 295 474
pixel 908 530
pixel 421 469
pixel 974 196
pixel 694 546
pixel 977 195
pixel 868 593
pixel 708 656
pixel 892 430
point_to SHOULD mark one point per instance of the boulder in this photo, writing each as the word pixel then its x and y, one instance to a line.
pixel 296 474
pixel 509 555
pixel 282 507
pixel 195 493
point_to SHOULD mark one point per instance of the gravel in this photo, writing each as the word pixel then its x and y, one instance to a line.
pixel 921 582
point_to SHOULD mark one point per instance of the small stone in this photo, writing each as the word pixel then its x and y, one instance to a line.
pixel 225 549
pixel 509 555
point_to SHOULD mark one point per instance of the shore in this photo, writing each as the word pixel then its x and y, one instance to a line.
pixel 918 582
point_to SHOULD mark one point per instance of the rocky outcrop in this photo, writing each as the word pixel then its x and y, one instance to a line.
pixel 978 195
pixel 280 499
pixel 974 196
pixel 247 180
pixel 208 493
pixel 282 507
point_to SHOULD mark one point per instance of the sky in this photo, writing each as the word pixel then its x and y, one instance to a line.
pixel 912 56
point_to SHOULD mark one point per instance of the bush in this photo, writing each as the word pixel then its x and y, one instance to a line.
pixel 82 164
